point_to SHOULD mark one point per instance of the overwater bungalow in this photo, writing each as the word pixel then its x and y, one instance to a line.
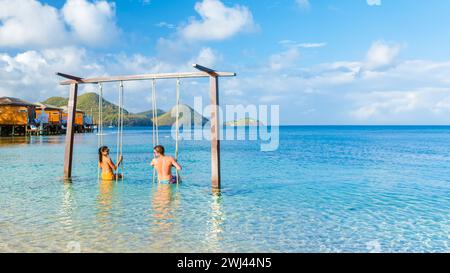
pixel 16 115
pixel 89 125
pixel 49 117
pixel 79 120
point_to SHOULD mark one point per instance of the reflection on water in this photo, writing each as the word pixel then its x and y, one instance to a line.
pixel 107 216
pixel 27 140
pixel 53 139
pixel 67 207
pixel 165 201
pixel 341 190
pixel 9 141
pixel 105 200
pixel 216 222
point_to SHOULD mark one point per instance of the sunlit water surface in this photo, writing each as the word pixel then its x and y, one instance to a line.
pixel 327 189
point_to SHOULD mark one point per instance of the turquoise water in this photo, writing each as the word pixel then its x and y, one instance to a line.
pixel 327 189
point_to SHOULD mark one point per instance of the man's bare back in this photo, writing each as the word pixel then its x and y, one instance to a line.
pixel 163 164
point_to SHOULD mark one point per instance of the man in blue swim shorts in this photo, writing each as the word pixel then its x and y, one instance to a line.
pixel 163 165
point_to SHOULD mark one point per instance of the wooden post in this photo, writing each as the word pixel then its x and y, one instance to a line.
pixel 215 141
pixel 71 108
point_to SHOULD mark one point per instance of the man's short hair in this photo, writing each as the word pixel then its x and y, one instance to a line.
pixel 159 149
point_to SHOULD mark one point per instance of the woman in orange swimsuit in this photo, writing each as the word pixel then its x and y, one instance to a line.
pixel 106 164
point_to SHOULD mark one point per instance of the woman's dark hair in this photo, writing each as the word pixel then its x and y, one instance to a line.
pixel 100 151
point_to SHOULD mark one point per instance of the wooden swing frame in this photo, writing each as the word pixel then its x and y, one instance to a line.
pixel 203 72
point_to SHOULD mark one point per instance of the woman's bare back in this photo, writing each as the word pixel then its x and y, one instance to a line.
pixel 107 165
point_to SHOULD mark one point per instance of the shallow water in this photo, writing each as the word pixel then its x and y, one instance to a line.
pixel 327 189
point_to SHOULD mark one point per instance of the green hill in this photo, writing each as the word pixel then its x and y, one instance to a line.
pixel 57 101
pixel 167 119
pixel 244 122
pixel 129 120
pixel 149 113
pixel 89 104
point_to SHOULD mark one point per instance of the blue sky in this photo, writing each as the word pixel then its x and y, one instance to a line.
pixel 322 61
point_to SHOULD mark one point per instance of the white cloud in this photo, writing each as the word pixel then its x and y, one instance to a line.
pixel 92 23
pixel 410 92
pixel 218 22
pixel 206 57
pixel 382 54
pixel 175 49
pixel 289 57
pixel 31 24
pixel 379 89
pixel 284 59
pixel 386 103
pixel 28 23
pixel 31 74
pixel 304 4
pixel 416 106
pixel 374 2
pixel 270 99
pixel 166 25
pixel 290 43
pixel 312 45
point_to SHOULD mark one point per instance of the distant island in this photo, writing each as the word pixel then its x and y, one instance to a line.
pixel 243 122
pixel 168 118
pixel 88 103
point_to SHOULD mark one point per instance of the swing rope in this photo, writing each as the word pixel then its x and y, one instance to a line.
pixel 121 124
pixel 177 133
pixel 155 112
pixel 119 152
pixel 100 122
pixel 155 132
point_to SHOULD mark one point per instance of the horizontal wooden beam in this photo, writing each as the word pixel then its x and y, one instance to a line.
pixel 200 74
